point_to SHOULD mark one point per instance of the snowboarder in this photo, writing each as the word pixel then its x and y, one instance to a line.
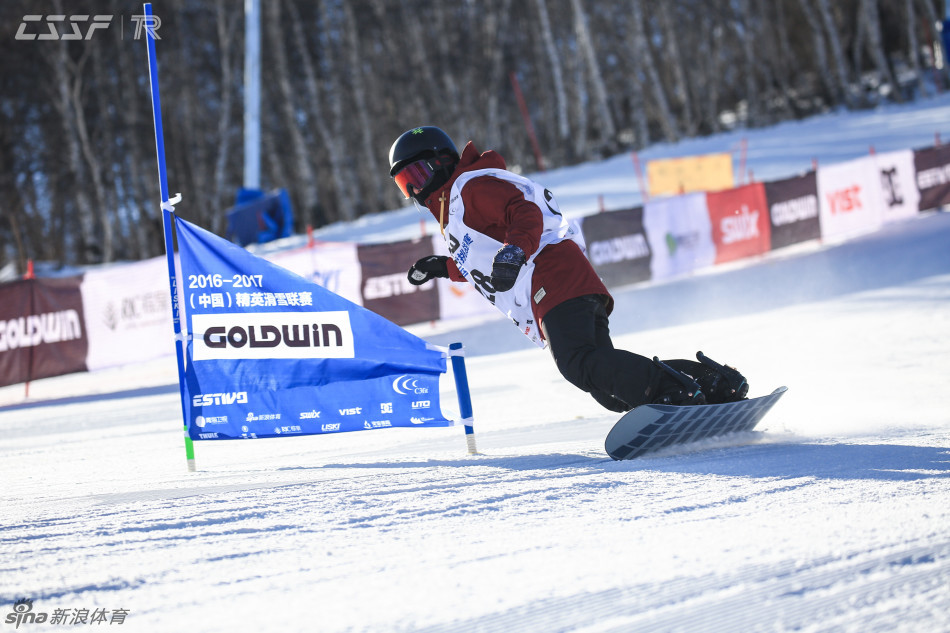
pixel 508 238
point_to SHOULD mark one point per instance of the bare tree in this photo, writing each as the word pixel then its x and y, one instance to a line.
pixel 305 179
pixel 643 57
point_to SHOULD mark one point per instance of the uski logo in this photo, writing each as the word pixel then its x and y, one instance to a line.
pixel 23 613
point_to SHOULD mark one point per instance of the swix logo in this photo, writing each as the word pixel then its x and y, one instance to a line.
pixel 353 411
pixel 263 335
pixel 742 226
pixel 208 399
pixel 310 415
pixel 845 200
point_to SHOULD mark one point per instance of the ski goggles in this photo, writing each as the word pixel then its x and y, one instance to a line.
pixel 413 177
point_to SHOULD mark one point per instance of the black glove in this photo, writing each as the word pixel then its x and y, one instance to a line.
pixel 505 268
pixel 428 268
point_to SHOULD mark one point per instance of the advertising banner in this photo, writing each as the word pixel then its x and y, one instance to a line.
pixel 740 222
pixel 898 188
pixel 270 353
pixel 679 234
pixel 932 166
pixel 15 310
pixel 385 287
pixel 793 210
pixel 128 313
pixel 849 198
pixel 617 246
pixel 42 331
pixel 333 265
pixel 674 176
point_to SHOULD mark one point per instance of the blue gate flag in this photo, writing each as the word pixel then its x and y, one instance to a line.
pixel 271 354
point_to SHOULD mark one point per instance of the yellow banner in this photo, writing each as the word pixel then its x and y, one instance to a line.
pixel 671 176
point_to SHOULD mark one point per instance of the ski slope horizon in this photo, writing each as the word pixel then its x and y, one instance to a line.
pixel 833 516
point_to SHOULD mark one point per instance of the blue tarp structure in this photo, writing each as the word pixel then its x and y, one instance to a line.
pixel 258 217
pixel 269 353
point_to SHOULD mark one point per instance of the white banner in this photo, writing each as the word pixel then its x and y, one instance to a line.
pixel 333 265
pixel 849 198
pixel 899 194
pixel 680 235
pixel 128 313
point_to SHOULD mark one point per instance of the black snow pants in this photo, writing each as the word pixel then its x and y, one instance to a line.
pixel 579 338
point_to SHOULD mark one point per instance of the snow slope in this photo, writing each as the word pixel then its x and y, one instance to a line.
pixel 834 516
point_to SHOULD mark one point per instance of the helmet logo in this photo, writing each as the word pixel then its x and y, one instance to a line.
pixel 418 130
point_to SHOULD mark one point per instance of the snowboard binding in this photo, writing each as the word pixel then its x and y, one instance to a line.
pixel 727 383
pixel 678 388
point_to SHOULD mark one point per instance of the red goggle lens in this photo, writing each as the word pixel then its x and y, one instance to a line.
pixel 416 175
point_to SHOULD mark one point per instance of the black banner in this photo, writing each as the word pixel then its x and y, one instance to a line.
pixel 385 287
pixel 617 246
pixel 793 210
pixel 933 176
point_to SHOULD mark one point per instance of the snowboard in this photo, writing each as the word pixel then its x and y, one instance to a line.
pixel 651 427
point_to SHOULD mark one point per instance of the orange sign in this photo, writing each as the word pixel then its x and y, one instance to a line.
pixel 672 176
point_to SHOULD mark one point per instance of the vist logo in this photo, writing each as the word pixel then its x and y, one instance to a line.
pixel 351 411
pixel 845 200
pixel 272 335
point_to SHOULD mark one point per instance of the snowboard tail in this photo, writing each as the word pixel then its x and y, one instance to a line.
pixel 654 426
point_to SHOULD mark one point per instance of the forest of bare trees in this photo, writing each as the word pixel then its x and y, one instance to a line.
pixel 342 78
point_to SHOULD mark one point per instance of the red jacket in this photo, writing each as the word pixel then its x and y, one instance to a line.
pixel 499 210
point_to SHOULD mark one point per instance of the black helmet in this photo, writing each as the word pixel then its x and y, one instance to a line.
pixel 429 144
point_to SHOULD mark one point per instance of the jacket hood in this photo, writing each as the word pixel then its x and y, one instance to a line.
pixel 470 160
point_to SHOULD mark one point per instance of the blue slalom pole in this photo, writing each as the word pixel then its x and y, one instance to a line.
pixel 457 353
pixel 168 227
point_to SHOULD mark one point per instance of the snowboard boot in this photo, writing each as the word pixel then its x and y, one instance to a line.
pixel 719 383
pixel 671 386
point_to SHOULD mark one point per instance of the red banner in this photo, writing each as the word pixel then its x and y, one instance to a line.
pixel 740 222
